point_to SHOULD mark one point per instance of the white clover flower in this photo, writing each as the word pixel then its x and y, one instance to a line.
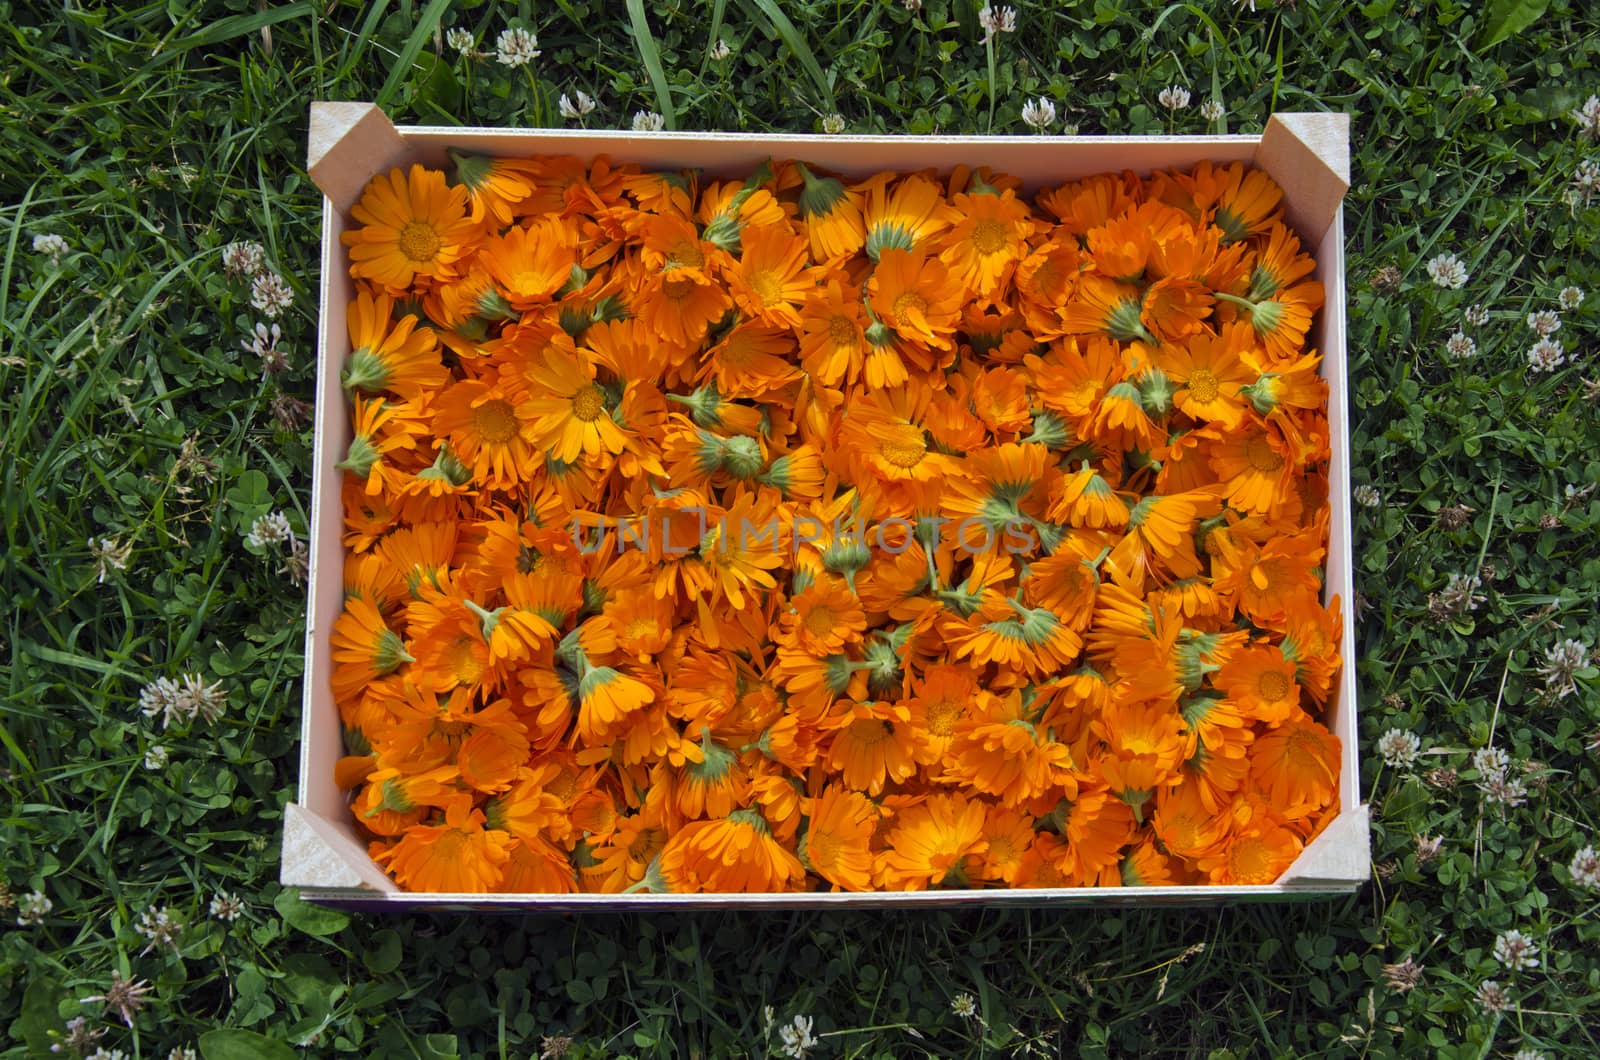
pixel 720 50
pixel 646 121
pixel 1477 316
pixel 1490 762
pixel 1570 298
pixel 1446 270
pixel 125 997
pixel 270 529
pixel 296 563
pixel 243 260
pixel 1585 868
pixel 1588 118
pixel 1516 951
pixel 103 1053
pixel 1173 97
pixel 1212 110
pixel 1366 495
pixel 964 1005
pixel 51 246
pixel 797 1039
pixel 993 22
pixel 1545 322
pixel 1546 355
pixel 516 47
pixel 270 294
pixel 581 105
pixel 1506 790
pixel 461 39
pixel 182 1052
pixel 1039 113
pixel 160 926
pixel 1585 183
pixel 156 758
pixel 32 908
pixel 185 699
pixel 263 342
pixel 1492 997
pixel 226 906
pixel 833 124
pixel 1460 346
pixel 1561 664
pixel 1399 748
pixel 1461 594
pixel 108 554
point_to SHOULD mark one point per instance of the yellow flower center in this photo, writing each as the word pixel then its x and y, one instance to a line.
pixel 677 288
pixel 822 848
pixel 907 302
pixel 646 845
pixel 868 732
pixel 463 660
pixel 563 786
pixel 1203 385
pixel 842 330
pixel 1272 685
pixel 904 450
pixel 495 421
pixel 1046 277
pixel 642 629
pixel 820 621
pixel 942 717
pixel 1049 875
pixel 767 287
pixel 1250 860
pixel 588 403
pixel 420 241
pixel 1003 850
pixel 989 236
pixel 686 252
pixel 1262 457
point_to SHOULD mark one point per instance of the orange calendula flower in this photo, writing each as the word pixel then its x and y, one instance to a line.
pixel 389 354
pixel 916 296
pixel 832 213
pixel 929 842
pixel 902 217
pixel 838 838
pixel 412 225
pixel 873 746
pixel 457 856
pixel 1260 682
pixel 1296 766
pixel 490 432
pixel 770 280
pixel 1256 855
pixel 570 412
pixel 530 263
pixel 364 648
pixel 734 855
pixel 984 246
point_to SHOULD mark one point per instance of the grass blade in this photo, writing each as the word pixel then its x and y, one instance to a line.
pixel 799 48
pixel 426 24
pixel 651 55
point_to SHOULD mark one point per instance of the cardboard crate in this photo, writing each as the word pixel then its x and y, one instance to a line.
pixel 1308 154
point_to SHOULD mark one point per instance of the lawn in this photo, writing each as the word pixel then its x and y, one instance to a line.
pixel 155 455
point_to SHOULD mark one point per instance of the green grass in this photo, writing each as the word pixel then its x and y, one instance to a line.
pixel 150 137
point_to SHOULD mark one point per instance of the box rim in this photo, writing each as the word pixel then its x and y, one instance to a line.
pixel 1190 894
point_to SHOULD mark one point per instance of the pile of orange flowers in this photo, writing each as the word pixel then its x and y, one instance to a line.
pixel 789 534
